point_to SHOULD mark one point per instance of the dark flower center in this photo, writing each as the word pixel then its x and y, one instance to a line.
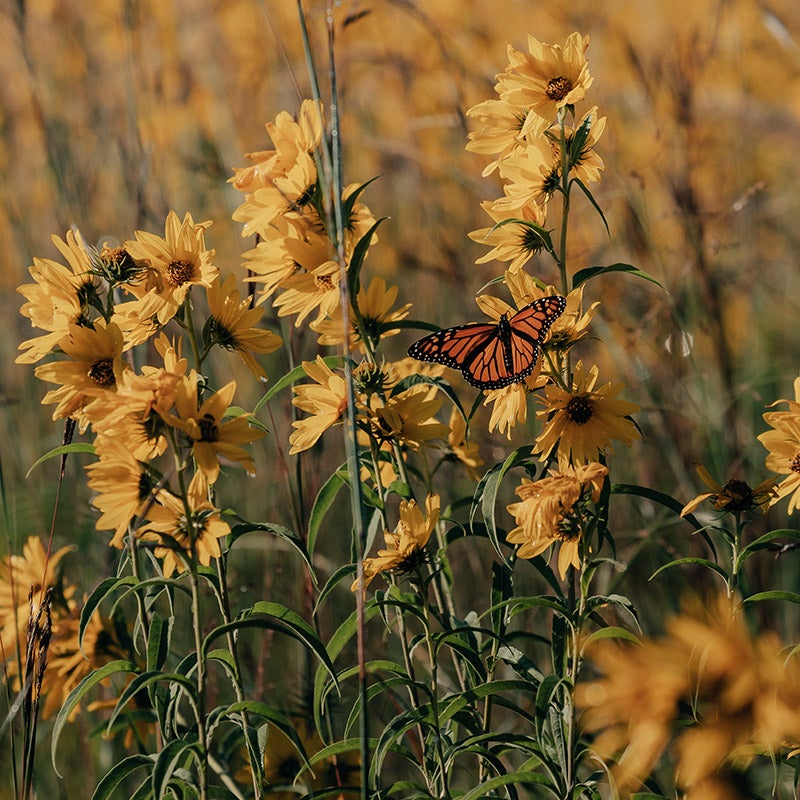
pixel 209 432
pixel 531 240
pixel 102 372
pixel 580 410
pixel 223 336
pixel 146 486
pixel 323 282
pixel 794 465
pixel 558 88
pixel 118 265
pixel 179 272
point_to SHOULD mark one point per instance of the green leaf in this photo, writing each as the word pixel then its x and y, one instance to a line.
pixel 789 597
pixel 767 542
pixel 504 780
pixel 118 773
pixel 611 632
pixel 158 642
pixel 332 582
pixel 173 755
pixel 278 618
pixel 487 490
pixel 323 502
pixel 77 694
pixel 357 261
pixel 590 198
pixel 62 450
pixel 277 530
pixel 583 275
pixel 702 562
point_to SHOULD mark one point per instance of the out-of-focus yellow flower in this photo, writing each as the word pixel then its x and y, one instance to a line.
pixel 467 452
pixel 176 262
pixel 405 545
pixel 32 572
pixel 375 304
pixel 783 443
pixel 743 694
pixel 198 535
pixel 544 79
pixel 734 495
pixel 58 298
pixel 407 419
pixel 211 434
pixel 582 422
pixel 69 662
pixel 232 325
pixel 325 400
pixel 95 368
pixel 550 512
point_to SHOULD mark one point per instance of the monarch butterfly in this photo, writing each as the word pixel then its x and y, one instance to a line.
pixel 492 356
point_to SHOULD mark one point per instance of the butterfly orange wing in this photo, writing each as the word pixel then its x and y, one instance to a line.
pixel 493 356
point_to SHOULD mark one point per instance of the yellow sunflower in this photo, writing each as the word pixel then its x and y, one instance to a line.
pixel 515 241
pixel 735 495
pixel 211 434
pixel 544 79
pixel 196 536
pixel 783 444
pixel 95 368
pixel 499 132
pixel 375 304
pixel 176 262
pixel 405 545
pixel 231 325
pixel 325 400
pixel 59 296
pixel 125 487
pixel 581 423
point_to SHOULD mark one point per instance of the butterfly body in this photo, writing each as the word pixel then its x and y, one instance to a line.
pixel 493 356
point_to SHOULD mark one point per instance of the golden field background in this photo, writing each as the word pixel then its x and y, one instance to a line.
pixel 114 112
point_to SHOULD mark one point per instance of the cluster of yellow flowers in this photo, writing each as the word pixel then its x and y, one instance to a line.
pixel 152 422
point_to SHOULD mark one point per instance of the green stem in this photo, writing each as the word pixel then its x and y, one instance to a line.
pixel 565 186
pixel 198 359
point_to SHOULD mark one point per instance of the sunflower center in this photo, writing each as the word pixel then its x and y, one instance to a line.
pixel 558 88
pixel 794 465
pixel 323 282
pixel 223 336
pixel 531 240
pixel 179 272
pixel 102 372
pixel 580 410
pixel 209 432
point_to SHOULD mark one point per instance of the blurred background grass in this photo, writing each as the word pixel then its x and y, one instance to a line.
pixel 113 113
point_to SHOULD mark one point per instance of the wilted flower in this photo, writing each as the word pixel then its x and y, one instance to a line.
pixel 552 510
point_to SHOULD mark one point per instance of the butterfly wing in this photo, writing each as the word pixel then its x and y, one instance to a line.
pixel 493 356
pixel 528 327
pixel 454 347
